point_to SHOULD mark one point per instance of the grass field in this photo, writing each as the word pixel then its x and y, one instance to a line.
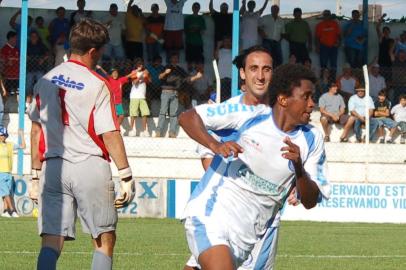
pixel 160 244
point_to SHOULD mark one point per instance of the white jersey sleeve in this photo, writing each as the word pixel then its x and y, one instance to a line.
pixel 228 116
pixel 316 165
pixel 103 120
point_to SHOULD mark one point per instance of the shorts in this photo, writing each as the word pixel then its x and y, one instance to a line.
pixel 173 40
pixel 402 126
pixel 83 189
pixel 119 109
pixel 6 184
pixel 386 122
pixel 203 234
pixel 342 121
pixel 262 256
pixel 138 104
pixel 11 85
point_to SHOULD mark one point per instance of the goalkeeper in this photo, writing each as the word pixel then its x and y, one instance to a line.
pixel 74 133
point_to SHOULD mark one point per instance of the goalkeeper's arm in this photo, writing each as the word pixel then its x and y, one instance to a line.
pixel 36 163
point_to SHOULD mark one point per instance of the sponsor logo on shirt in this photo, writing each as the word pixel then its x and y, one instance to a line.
pixel 252 143
pixel 61 81
pixel 224 109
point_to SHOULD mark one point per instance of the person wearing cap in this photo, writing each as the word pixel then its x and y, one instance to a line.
pixel 356 107
pixel 154 27
pixel 6 167
pixel 327 40
pixel 298 34
pixel 376 81
pixel 116 26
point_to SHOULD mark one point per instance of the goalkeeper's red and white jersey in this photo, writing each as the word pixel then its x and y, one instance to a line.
pixel 74 106
pixel 250 190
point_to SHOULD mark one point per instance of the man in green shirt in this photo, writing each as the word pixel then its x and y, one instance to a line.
pixel 194 26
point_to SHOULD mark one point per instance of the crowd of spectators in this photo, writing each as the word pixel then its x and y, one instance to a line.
pixel 176 87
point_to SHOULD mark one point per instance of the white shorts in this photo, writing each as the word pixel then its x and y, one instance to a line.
pixel 262 256
pixel 202 235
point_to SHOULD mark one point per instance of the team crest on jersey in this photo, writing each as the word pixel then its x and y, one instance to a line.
pixel 252 143
pixel 61 81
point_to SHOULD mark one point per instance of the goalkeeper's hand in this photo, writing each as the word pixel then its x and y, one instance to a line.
pixel 34 189
pixel 127 188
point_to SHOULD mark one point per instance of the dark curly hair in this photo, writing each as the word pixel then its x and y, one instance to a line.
pixel 240 60
pixel 287 77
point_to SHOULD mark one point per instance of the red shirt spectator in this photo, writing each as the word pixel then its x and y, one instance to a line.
pixel 328 33
pixel 117 88
pixel 10 57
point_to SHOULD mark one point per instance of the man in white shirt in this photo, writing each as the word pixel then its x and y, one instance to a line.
pixel 249 23
pixel 356 107
pixel 115 25
pixel 174 24
pixel 271 29
pixel 253 173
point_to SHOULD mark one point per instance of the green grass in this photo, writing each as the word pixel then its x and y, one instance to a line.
pixel 160 244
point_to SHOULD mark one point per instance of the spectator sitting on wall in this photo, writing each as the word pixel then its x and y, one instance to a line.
pixel 298 34
pixel 223 22
pixel 17 27
pixel 356 107
pixel 354 40
pixel 327 40
pixel 376 81
pixel 399 115
pixel 154 27
pixel 271 29
pixel 386 47
pixel 10 58
pixel 115 25
pixel 249 23
pixel 382 115
pixel 134 24
pixel 194 26
pixel 174 25
pixel 332 109
pixel 347 83
pixel 79 14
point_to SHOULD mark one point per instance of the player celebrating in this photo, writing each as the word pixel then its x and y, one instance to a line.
pixel 253 95
pixel 274 149
pixel 74 132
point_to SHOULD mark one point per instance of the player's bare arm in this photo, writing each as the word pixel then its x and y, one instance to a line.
pixel 307 188
pixel 193 125
pixel 36 163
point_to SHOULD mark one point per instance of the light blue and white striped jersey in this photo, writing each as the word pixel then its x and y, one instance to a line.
pixel 254 185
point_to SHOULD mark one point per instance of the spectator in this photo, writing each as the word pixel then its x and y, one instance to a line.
pixel 386 44
pixel 174 23
pixel 134 23
pixel 223 22
pixel 3 95
pixel 6 167
pixel 382 115
pixel 154 27
pixel 194 26
pixel 376 81
pixel 398 75
pixel 347 83
pixel 323 85
pixel 17 27
pixel 154 87
pixel 138 102
pixel 173 79
pixel 332 109
pixel 59 30
pixel 37 61
pixel 224 57
pixel 401 42
pixel 116 84
pixel 202 85
pixel 399 115
pixel 327 40
pixel 356 106
pixel 43 31
pixel 249 23
pixel 354 40
pixel 298 34
pixel 79 14
pixel 271 29
pixel 116 26
pixel 10 57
